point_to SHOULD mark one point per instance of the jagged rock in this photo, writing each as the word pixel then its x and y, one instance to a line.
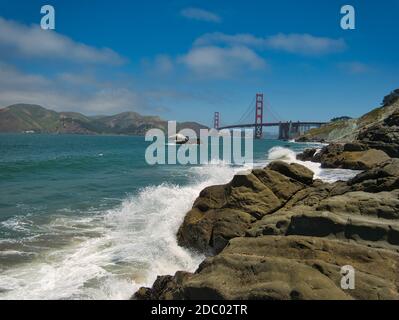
pixel 383 136
pixel 248 193
pixel 391 98
pixel 266 202
pixel 284 268
pixel 210 231
pixel 293 170
pixel 307 154
pixel 384 177
pixel 355 156
pixel 340 156
pixel 329 152
pixel 224 212
pixel 164 288
pixel 282 186
pixel 355 146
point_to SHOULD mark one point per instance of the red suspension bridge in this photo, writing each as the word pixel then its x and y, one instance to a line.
pixel 287 129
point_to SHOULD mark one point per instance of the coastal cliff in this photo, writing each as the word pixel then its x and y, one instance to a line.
pixel 373 127
pixel 278 233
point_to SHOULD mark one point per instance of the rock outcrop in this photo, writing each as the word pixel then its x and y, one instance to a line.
pixel 354 156
pixel 377 128
pixel 225 212
pixel 278 234
pixel 284 268
pixel 383 136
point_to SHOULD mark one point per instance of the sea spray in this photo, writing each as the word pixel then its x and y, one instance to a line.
pixel 326 175
pixel 130 246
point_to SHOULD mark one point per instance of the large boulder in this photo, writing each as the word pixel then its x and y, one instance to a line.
pixel 355 156
pixel 351 156
pixel 224 212
pixel 384 177
pixel 307 154
pixel 285 268
pixel 294 171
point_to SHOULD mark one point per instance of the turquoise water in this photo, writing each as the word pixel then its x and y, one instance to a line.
pixel 85 217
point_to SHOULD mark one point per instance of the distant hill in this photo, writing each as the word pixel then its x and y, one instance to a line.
pixel 28 117
pixel 348 130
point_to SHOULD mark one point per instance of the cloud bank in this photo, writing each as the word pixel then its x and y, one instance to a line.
pixel 33 42
pixel 304 44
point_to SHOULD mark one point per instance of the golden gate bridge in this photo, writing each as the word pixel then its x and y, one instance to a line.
pixel 287 129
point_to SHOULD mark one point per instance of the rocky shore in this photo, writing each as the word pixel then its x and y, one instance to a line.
pixel 278 233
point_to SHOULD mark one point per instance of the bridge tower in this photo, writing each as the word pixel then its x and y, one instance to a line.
pixel 216 120
pixel 259 116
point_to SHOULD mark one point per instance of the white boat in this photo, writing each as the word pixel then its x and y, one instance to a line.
pixel 178 139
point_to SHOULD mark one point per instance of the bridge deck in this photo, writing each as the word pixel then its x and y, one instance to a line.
pixel 273 124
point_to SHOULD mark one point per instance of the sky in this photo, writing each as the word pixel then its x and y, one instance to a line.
pixel 183 60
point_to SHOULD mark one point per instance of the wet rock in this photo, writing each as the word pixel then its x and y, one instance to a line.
pixel 164 288
pixel 289 268
pixel 307 154
pixel 278 234
pixel 224 212
pixel 293 170
pixel 337 156
pixel 354 156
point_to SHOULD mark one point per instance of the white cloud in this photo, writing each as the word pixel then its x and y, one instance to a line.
pixel 200 14
pixel 33 42
pixel 67 92
pixel 221 62
pixel 223 55
pixel 304 44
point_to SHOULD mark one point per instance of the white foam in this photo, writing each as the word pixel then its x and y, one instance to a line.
pixel 281 153
pixel 135 243
pixel 326 175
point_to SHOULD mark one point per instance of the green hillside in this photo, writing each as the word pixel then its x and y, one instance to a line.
pixel 26 117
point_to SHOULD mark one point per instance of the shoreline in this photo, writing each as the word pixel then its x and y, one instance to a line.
pixel 262 232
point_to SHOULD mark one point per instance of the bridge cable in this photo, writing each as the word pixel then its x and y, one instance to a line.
pixel 247 112
pixel 274 113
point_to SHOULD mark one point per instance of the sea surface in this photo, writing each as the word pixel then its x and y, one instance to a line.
pixel 85 217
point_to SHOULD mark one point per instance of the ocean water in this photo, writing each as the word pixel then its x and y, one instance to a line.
pixel 85 217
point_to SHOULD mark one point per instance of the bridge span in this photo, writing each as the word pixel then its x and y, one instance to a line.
pixel 287 129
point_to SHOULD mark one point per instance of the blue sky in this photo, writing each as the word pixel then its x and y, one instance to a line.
pixel 183 60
